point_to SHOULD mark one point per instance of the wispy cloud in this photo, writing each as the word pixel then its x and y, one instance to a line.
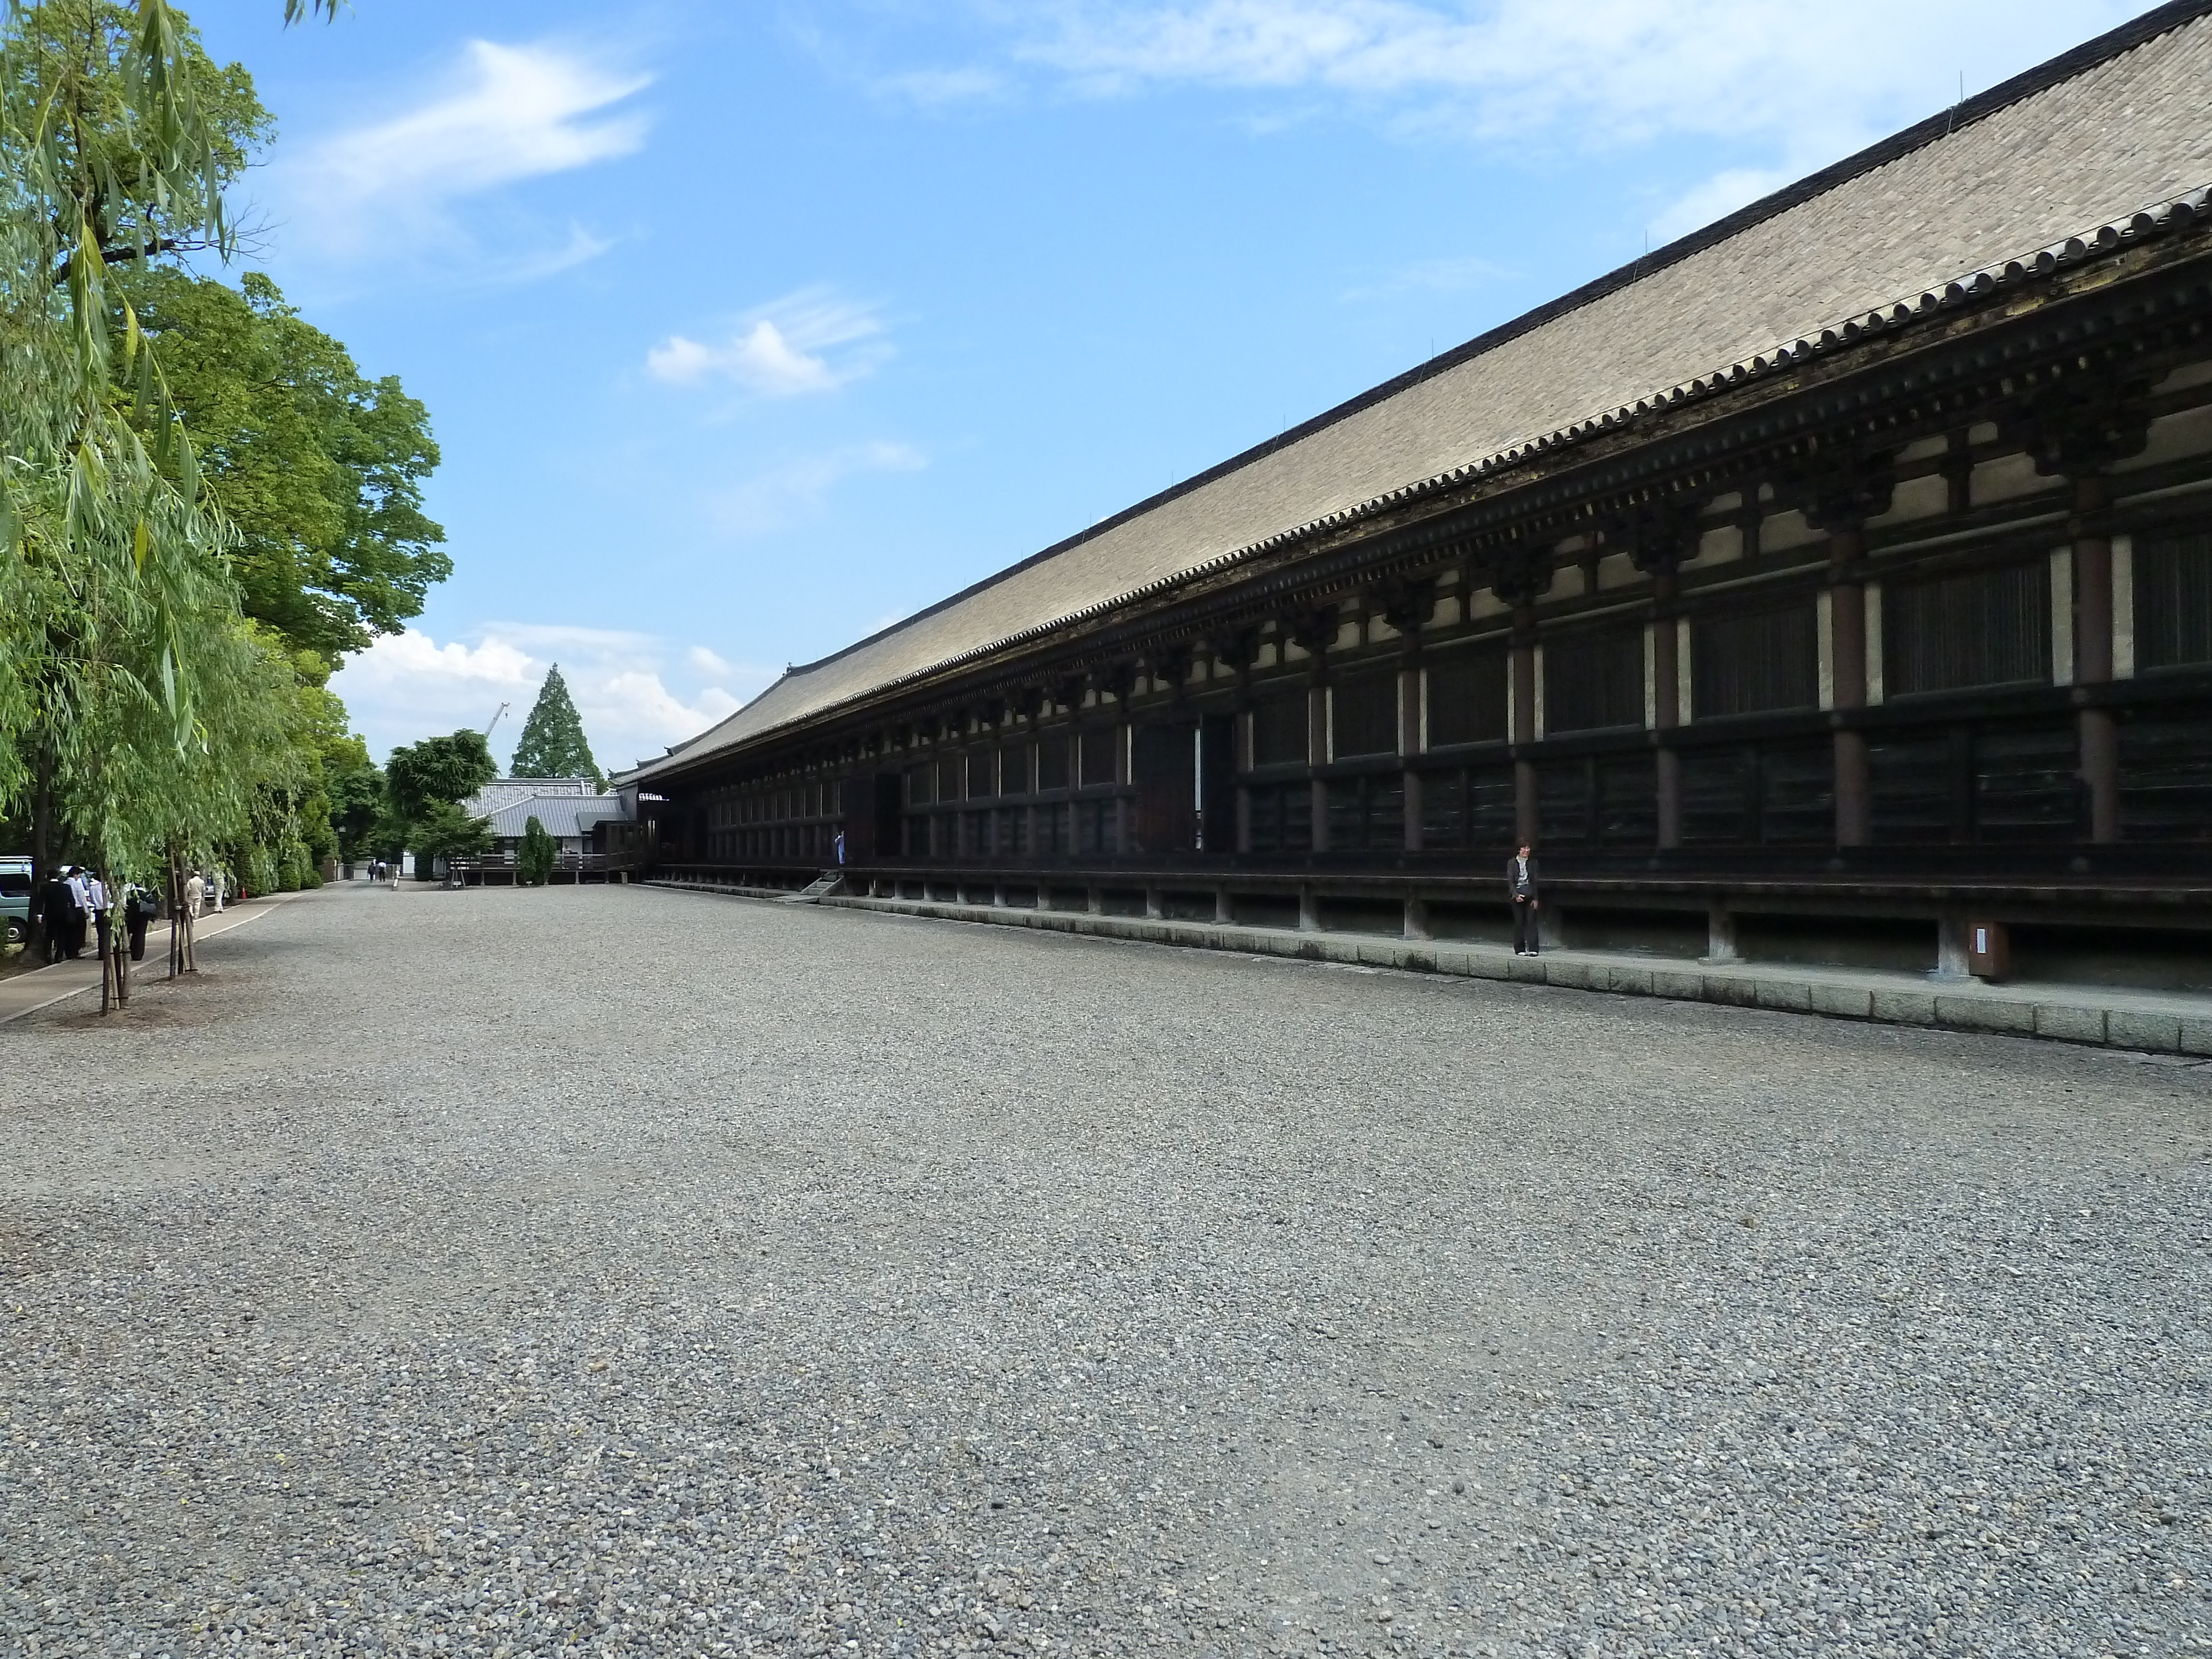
pixel 637 694
pixel 808 342
pixel 393 188
pixel 1806 84
pixel 795 489
pixel 1701 65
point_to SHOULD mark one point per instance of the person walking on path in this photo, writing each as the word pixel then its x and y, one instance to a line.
pixel 57 913
pixel 80 903
pixel 96 901
pixel 1522 882
pixel 137 911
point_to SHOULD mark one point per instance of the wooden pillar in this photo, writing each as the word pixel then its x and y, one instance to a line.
pixel 2092 655
pixel 1522 664
pixel 1847 647
pixel 1667 707
pixel 1317 753
pixel 1409 737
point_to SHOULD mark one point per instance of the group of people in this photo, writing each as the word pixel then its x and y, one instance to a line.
pixel 77 908
pixel 381 871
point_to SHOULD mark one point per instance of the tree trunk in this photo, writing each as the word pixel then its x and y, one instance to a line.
pixel 42 865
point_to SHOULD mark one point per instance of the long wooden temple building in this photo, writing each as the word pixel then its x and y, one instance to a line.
pixel 1832 576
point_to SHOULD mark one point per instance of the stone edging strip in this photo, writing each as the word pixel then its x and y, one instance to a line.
pixel 2150 1022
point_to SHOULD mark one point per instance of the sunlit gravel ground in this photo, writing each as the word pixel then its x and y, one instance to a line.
pixel 623 1272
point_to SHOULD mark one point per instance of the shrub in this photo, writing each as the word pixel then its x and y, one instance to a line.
pixel 539 852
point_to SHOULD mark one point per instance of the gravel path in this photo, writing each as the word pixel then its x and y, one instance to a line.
pixel 621 1272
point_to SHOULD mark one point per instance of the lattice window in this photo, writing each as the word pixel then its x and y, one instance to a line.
pixel 1364 715
pixel 1052 763
pixel 1983 627
pixel 2173 602
pixel 1754 662
pixel 1594 680
pixel 982 774
pixel 1278 730
pixel 1467 697
pixel 1099 759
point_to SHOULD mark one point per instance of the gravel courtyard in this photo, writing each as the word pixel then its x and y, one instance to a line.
pixel 622 1271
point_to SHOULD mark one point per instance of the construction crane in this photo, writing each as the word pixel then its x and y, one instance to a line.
pixel 504 707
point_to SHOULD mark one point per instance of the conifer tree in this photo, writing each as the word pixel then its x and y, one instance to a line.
pixel 553 744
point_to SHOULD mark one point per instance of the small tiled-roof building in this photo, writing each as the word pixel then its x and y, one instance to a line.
pixel 568 818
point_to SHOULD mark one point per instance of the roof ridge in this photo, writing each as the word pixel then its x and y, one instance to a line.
pixel 1933 129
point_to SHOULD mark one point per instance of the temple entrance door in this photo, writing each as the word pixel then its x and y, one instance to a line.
pixel 871 807
pixel 1164 767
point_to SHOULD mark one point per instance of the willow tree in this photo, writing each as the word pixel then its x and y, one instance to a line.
pixel 133 695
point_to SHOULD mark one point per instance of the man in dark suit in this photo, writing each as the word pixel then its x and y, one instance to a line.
pixel 1521 882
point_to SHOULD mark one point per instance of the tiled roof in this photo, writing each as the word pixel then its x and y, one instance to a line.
pixel 500 791
pixel 564 816
pixel 2108 141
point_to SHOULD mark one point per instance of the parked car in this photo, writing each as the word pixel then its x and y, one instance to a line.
pixel 16 898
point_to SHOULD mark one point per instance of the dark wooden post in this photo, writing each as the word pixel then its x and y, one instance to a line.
pixel 1840 500
pixel 1314 631
pixel 2077 427
pixel 1405 606
pixel 2099 737
pixel 1659 536
pixel 1666 710
pixel 1847 657
pixel 1519 576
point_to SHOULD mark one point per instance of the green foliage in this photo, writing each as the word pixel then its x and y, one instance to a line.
pixel 318 469
pixel 438 771
pixel 553 744
pixel 445 830
pixel 539 854
pixel 355 789
pixel 142 716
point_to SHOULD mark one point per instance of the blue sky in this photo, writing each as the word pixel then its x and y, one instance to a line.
pixel 748 328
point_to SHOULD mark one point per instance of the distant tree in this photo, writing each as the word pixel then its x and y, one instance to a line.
pixel 426 782
pixel 539 852
pixel 357 801
pixel 438 769
pixel 447 832
pixel 553 744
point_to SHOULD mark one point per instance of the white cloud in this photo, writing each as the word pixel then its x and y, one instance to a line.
pixel 810 341
pixel 408 686
pixel 1807 84
pixel 390 189
pixel 793 490
pixel 1623 67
